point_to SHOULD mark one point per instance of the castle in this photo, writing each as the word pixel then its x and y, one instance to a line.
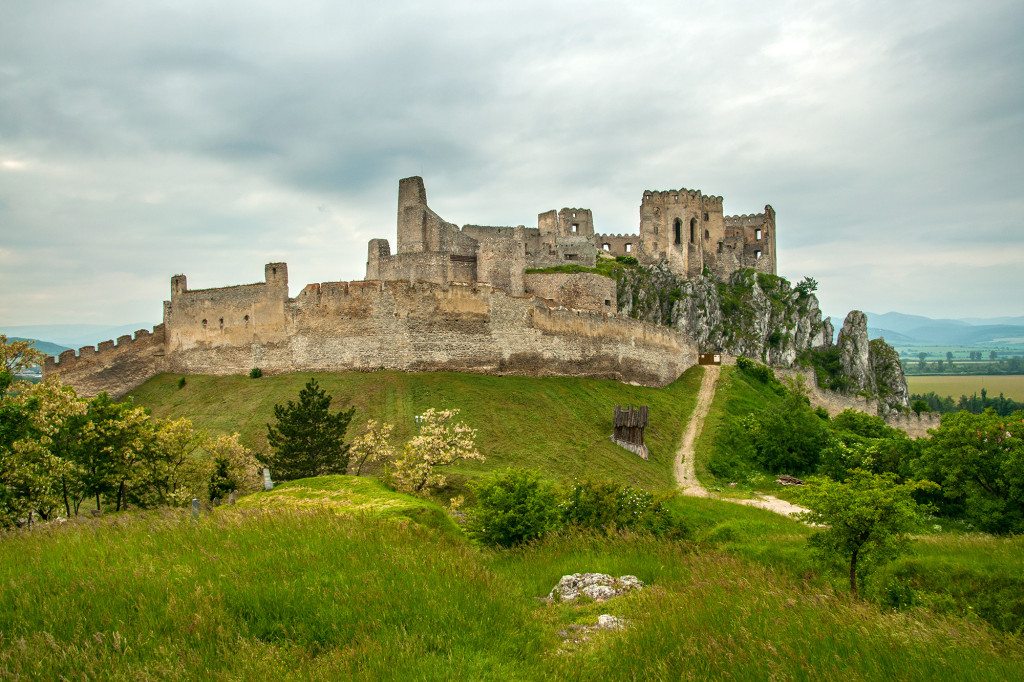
pixel 684 229
pixel 476 298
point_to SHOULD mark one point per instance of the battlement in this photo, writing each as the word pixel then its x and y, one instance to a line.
pixel 90 353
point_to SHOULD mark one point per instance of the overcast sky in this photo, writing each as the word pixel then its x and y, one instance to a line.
pixel 143 139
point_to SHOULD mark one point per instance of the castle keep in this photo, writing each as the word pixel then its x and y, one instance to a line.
pixel 476 298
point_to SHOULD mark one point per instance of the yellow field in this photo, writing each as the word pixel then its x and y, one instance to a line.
pixel 1012 386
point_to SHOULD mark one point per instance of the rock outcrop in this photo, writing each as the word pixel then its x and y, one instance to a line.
pixel 597 586
pixel 872 367
pixel 756 315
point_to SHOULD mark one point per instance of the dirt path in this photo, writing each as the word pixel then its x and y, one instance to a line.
pixel 686 474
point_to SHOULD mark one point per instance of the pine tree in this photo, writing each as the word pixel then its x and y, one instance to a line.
pixel 308 440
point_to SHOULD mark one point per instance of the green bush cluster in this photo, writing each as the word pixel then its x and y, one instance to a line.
pixel 517 507
pixel 255 373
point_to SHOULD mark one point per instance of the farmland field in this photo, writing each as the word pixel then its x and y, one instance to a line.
pixel 1010 385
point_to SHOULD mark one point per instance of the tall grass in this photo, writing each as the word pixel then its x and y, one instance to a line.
pixel 318 595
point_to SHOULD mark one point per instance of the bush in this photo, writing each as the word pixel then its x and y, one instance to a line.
pixel 788 437
pixel 608 506
pixel 181 382
pixel 761 373
pixel 255 373
pixel 513 508
pixel 731 457
pixel 627 260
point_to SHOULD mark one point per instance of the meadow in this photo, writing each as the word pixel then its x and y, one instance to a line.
pixel 339 577
pixel 261 592
pixel 1010 385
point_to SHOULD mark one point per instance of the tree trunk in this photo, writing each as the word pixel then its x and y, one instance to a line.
pixel 64 489
pixel 853 574
pixel 120 495
pixel 98 507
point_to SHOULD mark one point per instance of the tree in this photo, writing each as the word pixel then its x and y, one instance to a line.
pixel 978 459
pixel 788 437
pixel 307 439
pixel 949 358
pixel 864 519
pixel 513 508
pixel 921 358
pixel 440 442
pixel 235 468
pixel 993 355
pixel 374 445
pixel 15 357
pixel 114 440
pixel 919 406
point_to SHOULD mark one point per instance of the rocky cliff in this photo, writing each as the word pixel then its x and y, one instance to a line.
pixel 763 316
pixel 756 315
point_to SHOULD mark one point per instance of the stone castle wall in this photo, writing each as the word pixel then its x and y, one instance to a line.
pixel 370 325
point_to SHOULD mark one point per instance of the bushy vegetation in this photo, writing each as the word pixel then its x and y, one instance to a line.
pixel 519 506
pixel 307 439
pixel 975 403
pixel 58 450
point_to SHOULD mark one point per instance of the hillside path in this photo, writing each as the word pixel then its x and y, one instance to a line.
pixel 686 474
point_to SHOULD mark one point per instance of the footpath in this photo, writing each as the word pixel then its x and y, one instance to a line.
pixel 686 475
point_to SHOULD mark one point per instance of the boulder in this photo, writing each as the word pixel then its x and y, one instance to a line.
pixel 597 586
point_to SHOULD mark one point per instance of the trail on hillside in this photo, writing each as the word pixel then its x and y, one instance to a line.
pixel 686 474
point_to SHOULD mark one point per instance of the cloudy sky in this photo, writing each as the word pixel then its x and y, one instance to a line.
pixel 143 139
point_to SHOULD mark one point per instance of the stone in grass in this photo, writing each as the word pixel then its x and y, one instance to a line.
pixel 597 586
pixel 608 622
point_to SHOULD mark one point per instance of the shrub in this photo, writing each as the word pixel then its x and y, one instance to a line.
pixel 788 437
pixel 733 452
pixel 513 508
pixel 627 260
pixel 762 373
pixel 608 506
pixel 181 382
pixel 255 373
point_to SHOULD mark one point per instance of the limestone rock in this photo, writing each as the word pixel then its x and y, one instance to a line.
pixel 855 352
pixel 893 395
pixel 597 586
pixel 608 622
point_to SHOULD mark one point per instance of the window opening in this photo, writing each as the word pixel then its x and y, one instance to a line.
pixel 757 255
pixel 707 235
pixel 757 234
pixel 575 228
pixel 606 247
pixel 693 230
pixel 629 247
pixel 679 231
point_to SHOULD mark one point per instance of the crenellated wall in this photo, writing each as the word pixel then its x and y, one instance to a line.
pixel 112 367
pixel 369 325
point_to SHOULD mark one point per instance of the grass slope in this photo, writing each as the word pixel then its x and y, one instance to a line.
pixel 299 594
pixel 556 424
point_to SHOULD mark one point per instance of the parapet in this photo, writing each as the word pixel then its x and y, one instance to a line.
pixel 143 338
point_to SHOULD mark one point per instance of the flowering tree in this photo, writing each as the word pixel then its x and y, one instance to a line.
pixel 440 442
pixel 373 445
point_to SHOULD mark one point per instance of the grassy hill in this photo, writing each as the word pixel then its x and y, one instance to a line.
pixel 273 590
pixel 559 425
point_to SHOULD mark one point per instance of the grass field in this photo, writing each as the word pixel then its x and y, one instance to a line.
pixel 272 592
pixel 1012 386
pixel 558 425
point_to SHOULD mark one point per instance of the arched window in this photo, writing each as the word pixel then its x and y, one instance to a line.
pixel 693 230
pixel 679 231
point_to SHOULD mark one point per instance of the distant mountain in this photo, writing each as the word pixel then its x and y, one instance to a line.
pixel 1017 320
pixel 889 335
pixel 73 335
pixel 44 346
pixel 901 329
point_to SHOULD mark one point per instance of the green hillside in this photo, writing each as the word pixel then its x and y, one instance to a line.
pixel 270 592
pixel 559 425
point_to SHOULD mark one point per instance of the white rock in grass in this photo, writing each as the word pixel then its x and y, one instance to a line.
pixel 609 622
pixel 597 586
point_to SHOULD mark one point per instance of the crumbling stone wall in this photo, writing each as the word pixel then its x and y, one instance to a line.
pixel 581 291
pixel 336 326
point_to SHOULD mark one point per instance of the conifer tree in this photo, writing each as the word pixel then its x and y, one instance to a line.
pixel 308 440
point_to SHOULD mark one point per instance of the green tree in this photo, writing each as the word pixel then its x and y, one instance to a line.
pixel 864 520
pixel 307 439
pixel 949 358
pixel 993 355
pixel 978 459
pixel 512 508
pixel 15 357
pixel 921 357
pixel 787 437
pixel 919 406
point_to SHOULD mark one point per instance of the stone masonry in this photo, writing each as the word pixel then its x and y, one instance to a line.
pixel 448 298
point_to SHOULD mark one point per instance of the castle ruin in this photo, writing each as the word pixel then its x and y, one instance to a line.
pixel 477 298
